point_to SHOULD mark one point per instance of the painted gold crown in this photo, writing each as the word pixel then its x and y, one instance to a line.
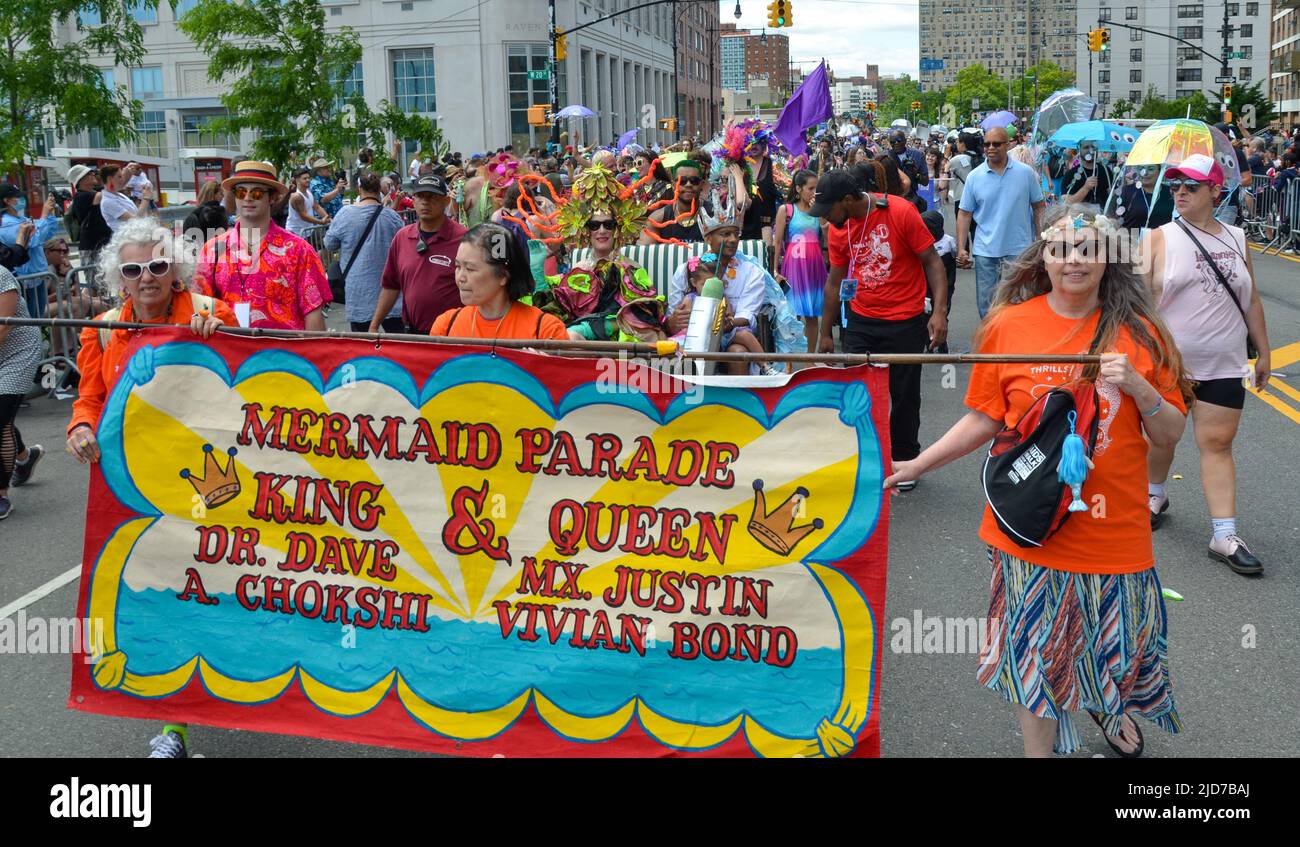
pixel 776 530
pixel 217 485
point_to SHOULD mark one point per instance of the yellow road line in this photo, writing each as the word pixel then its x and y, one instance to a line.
pixel 1293 393
pixel 1278 404
pixel 1260 249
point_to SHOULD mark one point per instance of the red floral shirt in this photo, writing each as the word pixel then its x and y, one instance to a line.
pixel 282 285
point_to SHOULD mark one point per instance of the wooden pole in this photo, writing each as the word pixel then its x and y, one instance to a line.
pixel 593 349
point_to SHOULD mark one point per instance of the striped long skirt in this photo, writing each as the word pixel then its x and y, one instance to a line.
pixel 1060 641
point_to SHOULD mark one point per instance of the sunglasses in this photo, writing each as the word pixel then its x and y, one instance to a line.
pixel 1191 185
pixel 996 143
pixel 592 226
pixel 690 180
pixel 133 270
pixel 251 193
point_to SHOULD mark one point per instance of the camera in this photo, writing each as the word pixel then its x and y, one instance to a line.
pixel 61 197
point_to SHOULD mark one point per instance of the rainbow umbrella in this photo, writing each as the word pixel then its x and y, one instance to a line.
pixel 1167 143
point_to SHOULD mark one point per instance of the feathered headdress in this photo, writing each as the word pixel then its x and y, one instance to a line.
pixel 747 142
pixel 597 191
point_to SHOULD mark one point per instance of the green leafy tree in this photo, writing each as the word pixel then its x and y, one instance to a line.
pixel 1250 105
pixel 1050 76
pixel 1120 109
pixel 977 82
pixel 47 77
pixel 1155 106
pixel 899 95
pixel 289 81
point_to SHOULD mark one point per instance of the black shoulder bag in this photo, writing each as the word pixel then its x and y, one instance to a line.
pixel 1252 352
pixel 338 276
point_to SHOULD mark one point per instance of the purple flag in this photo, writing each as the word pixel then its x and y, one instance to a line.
pixel 808 106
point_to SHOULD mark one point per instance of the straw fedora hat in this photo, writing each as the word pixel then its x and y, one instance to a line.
pixel 258 172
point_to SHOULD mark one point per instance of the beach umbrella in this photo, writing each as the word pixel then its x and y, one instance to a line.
pixel 848 131
pixel 1167 143
pixel 901 123
pixel 575 111
pixel 998 120
pixel 1108 137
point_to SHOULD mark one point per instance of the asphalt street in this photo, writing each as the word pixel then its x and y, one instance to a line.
pixel 1233 640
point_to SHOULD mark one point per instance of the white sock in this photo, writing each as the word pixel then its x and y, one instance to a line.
pixel 1223 527
pixel 1156 489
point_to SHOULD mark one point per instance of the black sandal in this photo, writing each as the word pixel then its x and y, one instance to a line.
pixel 1130 754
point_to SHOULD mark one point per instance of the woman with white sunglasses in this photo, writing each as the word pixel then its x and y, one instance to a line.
pixel 148 265
pixel 145 262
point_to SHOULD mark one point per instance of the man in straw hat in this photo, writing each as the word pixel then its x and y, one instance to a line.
pixel 270 277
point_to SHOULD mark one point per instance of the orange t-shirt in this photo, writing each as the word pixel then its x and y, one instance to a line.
pixel 1114 536
pixel 520 322
pixel 99 367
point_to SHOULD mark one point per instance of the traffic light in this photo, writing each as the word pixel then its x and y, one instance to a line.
pixel 561 46
pixel 916 105
pixel 778 13
pixel 1105 40
pixel 1094 41
pixel 1227 97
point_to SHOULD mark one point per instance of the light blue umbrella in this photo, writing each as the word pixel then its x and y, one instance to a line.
pixel 998 120
pixel 575 111
pixel 1109 137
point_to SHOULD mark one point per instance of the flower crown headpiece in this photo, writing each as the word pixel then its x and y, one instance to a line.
pixel 1100 223
pixel 704 258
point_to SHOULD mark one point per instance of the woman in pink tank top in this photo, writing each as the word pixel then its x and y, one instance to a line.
pixel 1202 276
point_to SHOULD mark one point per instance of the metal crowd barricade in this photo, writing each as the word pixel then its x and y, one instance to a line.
pixel 59 360
pixel 1286 210
pixel 315 236
pixel 409 216
pixel 1260 213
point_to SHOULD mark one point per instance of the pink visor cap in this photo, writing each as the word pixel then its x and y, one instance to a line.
pixel 1199 167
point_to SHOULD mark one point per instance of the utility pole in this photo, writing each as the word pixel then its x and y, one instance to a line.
pixel 554 82
pixel 1227 30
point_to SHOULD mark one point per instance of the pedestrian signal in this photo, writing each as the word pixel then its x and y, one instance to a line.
pixel 668 124
pixel 561 46
pixel 537 115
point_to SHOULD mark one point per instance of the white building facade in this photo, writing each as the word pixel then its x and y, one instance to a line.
pixel 1138 60
pixel 465 66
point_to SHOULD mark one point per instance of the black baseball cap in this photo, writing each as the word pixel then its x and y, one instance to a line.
pixel 831 188
pixel 10 190
pixel 429 183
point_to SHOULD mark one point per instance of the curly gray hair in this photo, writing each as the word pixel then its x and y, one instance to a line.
pixel 151 232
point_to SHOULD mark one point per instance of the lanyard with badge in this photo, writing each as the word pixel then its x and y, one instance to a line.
pixel 849 285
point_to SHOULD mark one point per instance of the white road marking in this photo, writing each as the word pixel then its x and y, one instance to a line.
pixel 45 590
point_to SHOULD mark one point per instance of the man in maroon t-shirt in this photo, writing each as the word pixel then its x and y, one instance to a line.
pixel 421 263
pixel 880 244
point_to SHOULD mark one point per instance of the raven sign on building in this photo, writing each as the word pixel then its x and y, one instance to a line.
pixel 477 552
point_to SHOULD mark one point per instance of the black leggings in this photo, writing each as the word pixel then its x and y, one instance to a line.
pixel 11 441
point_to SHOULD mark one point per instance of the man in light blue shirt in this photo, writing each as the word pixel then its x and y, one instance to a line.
pixel 1005 199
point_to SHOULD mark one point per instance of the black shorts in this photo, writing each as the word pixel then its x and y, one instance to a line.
pixel 1230 393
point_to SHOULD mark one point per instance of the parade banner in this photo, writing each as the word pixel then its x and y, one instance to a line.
pixel 484 552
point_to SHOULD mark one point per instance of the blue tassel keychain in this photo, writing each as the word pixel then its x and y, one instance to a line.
pixel 1074 466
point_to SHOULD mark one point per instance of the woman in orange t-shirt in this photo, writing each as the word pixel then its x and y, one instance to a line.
pixel 493 274
pixel 1079 622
